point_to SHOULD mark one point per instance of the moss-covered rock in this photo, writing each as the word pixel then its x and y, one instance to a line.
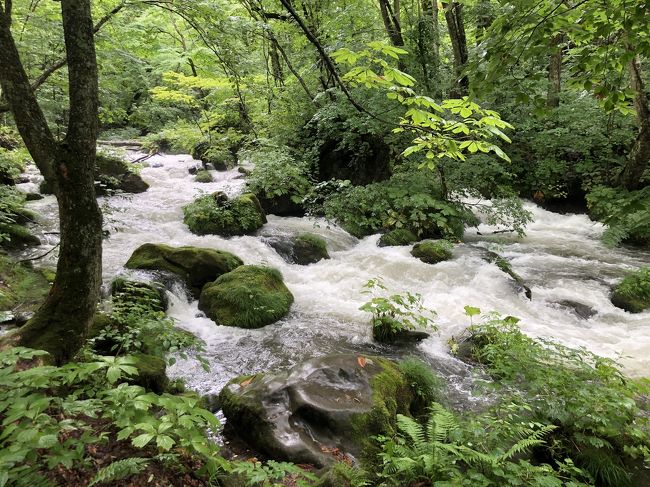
pixel 151 372
pixel 248 297
pixel 196 266
pixel 505 267
pixel 431 251
pixel 302 249
pixel 633 292
pixel 203 176
pixel 336 403
pixel 217 215
pixel 22 288
pixel 399 236
pixel 19 236
pixel 150 294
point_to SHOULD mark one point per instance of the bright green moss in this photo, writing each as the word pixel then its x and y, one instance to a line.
pixel 203 177
pixel 431 251
pixel 208 215
pixel 633 293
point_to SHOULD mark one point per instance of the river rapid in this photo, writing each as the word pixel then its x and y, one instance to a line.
pixel 560 258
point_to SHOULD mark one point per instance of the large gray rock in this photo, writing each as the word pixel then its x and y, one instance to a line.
pixel 318 411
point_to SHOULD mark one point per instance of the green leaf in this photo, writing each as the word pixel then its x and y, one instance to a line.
pixel 141 441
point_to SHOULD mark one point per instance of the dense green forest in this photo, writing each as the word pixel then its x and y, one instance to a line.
pixel 314 221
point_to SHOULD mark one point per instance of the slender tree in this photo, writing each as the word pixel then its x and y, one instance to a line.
pixel 61 323
pixel 456 29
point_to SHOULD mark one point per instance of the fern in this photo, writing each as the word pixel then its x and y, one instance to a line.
pixel 120 469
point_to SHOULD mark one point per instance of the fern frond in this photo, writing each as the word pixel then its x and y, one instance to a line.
pixel 119 470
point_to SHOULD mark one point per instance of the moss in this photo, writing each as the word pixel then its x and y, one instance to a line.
pixel 208 215
pixel 633 292
pixel 18 236
pixel 151 372
pixel 22 288
pixel 391 395
pixel 196 266
pixel 248 297
pixel 309 248
pixel 203 177
pixel 424 383
pixel 432 252
pixel 399 236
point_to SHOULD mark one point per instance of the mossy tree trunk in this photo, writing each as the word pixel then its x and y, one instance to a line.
pixel 456 29
pixel 554 72
pixel 631 177
pixel 60 325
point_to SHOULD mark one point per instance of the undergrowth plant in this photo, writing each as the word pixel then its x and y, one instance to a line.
pixel 597 413
pixel 396 313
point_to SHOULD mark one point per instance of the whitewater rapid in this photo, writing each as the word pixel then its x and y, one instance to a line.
pixel 561 258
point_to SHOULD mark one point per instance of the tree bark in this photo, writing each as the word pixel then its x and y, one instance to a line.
pixel 61 324
pixel 554 72
pixel 631 177
pixel 429 35
pixel 456 28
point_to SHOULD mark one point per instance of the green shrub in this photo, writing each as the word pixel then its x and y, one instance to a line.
pixel 278 172
pixel 210 214
pixel 633 292
pixel 395 314
pixel 598 424
pixel 626 214
pixel 399 236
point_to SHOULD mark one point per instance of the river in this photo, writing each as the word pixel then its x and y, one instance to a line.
pixel 560 258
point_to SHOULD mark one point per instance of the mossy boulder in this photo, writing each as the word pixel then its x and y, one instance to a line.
pixel 318 410
pixel 399 236
pixel 203 176
pixel 111 174
pixel 22 288
pixel 151 372
pixel 149 294
pixel 633 292
pixel 196 266
pixel 248 297
pixel 432 251
pixel 302 249
pixel 19 237
pixel 218 215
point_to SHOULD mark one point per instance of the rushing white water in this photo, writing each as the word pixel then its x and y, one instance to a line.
pixel 561 258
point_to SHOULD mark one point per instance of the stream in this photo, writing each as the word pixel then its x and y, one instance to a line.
pixel 561 258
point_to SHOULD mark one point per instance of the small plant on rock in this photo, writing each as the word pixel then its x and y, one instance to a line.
pixel 396 314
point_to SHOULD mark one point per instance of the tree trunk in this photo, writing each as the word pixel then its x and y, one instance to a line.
pixel 429 35
pixel 61 324
pixel 554 72
pixel 456 28
pixel 637 162
pixel 391 22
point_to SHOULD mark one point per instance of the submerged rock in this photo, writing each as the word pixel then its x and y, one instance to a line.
pixel 196 266
pixel 248 297
pixel 431 251
pixel 319 410
pixel 399 236
pixel 218 215
pixel 582 310
pixel 633 292
pixel 303 249
pixel 281 205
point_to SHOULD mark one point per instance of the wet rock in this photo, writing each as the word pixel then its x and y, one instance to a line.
pixel 196 266
pixel 584 311
pixel 432 252
pixel 33 196
pixel 220 158
pixel 151 372
pixel 193 170
pixel 320 410
pixel 21 179
pixel 23 288
pixel 399 236
pixel 633 293
pixel 243 170
pixel 248 297
pixel 281 205
pixel 157 164
pixel 22 317
pixel 113 174
pixel 303 249
pixel 210 215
